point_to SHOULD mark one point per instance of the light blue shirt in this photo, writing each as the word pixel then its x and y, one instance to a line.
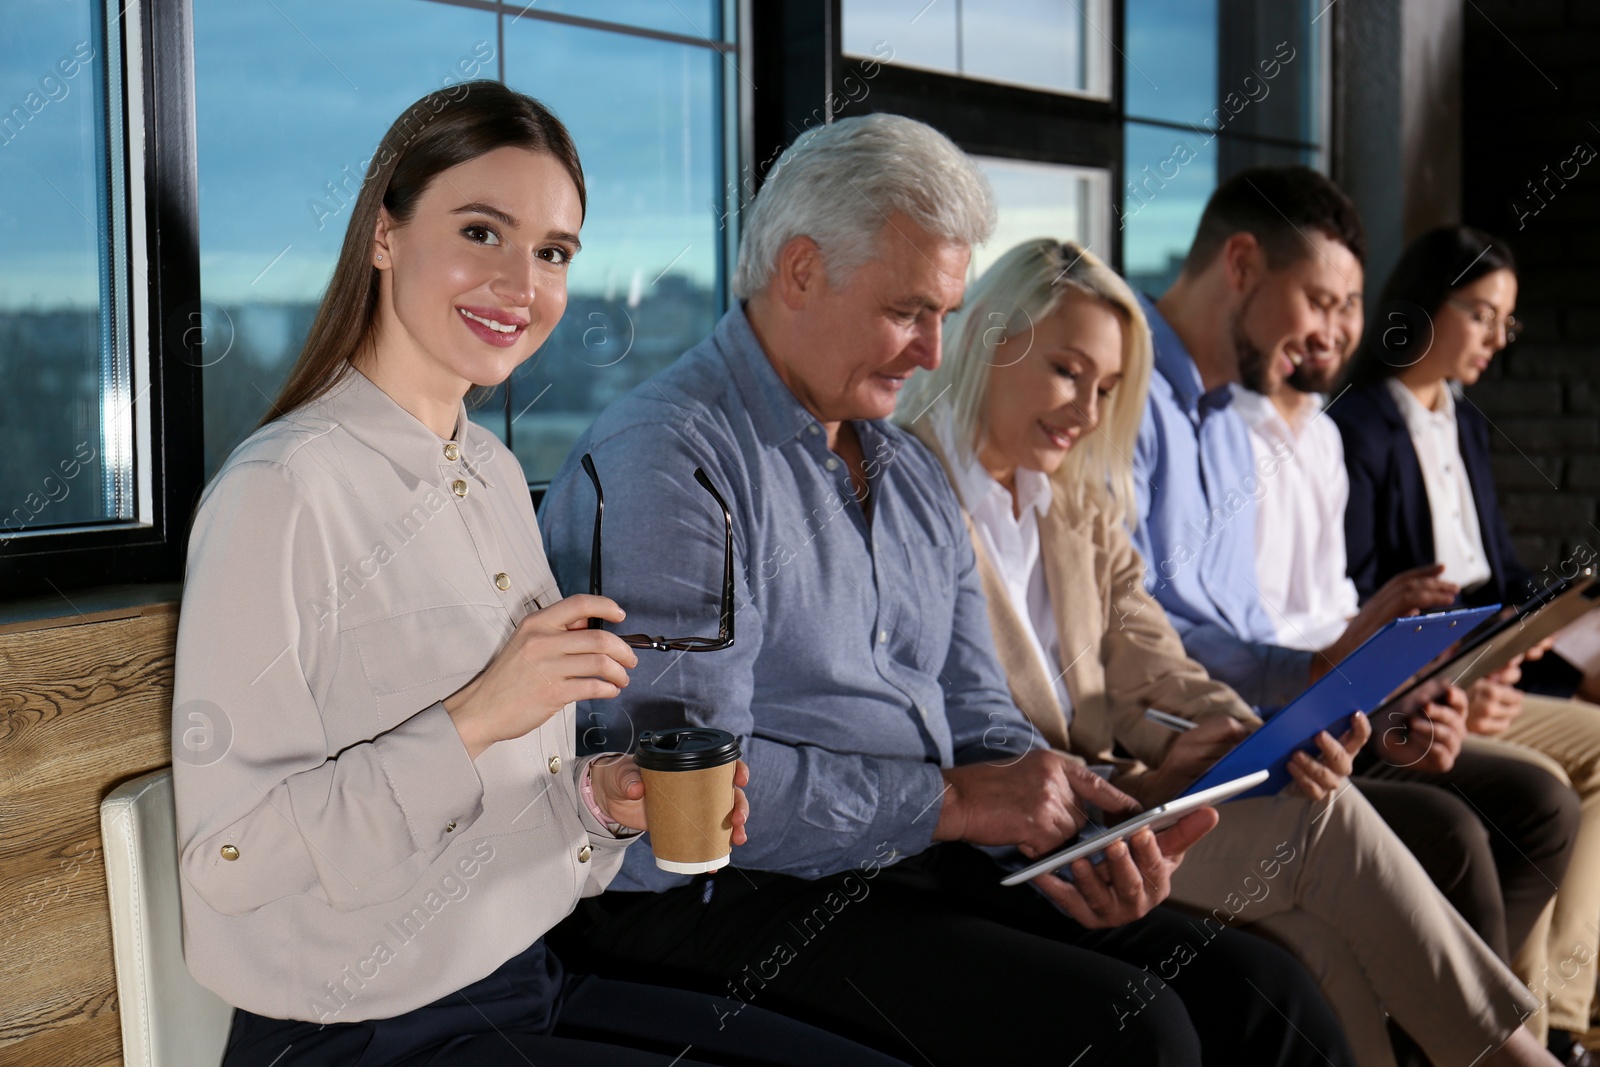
pixel 1198 482
pixel 863 660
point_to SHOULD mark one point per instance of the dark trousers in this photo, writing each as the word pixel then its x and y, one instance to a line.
pixel 932 960
pixel 509 1018
pixel 1551 676
pixel 1494 833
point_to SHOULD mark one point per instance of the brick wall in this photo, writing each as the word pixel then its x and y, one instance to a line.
pixel 1531 96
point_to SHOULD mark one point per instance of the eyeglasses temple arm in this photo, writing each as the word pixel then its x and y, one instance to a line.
pixel 725 615
pixel 594 549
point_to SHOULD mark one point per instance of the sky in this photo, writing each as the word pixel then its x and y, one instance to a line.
pixel 1029 42
pixel 49 213
pixel 294 94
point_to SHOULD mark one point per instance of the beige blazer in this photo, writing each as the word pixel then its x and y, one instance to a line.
pixel 1122 655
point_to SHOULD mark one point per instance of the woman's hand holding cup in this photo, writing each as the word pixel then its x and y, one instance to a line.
pixel 619 790
pixel 551 660
pixel 690 773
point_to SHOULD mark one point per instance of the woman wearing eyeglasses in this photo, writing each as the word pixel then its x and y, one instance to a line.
pixel 392 814
pixel 1416 448
pixel 1422 491
pixel 1034 413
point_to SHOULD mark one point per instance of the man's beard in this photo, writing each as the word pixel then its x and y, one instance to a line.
pixel 1253 362
pixel 1318 379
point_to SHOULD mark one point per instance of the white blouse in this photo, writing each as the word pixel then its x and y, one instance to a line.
pixel 1009 534
pixel 1457 538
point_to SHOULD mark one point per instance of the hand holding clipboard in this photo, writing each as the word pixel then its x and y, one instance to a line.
pixel 1317 773
pixel 1362 681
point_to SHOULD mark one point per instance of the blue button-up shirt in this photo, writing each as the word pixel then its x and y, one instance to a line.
pixel 1198 482
pixel 863 660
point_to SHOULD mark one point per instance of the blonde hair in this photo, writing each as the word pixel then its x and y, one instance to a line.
pixel 1022 287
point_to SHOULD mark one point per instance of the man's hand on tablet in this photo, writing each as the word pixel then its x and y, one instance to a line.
pixel 1134 877
pixel 1035 803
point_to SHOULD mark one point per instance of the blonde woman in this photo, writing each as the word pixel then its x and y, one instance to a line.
pixel 1034 412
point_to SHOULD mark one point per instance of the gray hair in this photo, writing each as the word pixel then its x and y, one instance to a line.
pixel 839 183
pixel 1020 288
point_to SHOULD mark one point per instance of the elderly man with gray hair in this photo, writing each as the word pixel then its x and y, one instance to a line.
pixel 888 762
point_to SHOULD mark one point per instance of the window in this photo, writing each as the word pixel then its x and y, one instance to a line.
pixel 1210 89
pixel 102 465
pixel 648 117
pixel 1040 44
pixel 294 95
pixel 74 447
pixel 1022 85
pixel 1113 134
pixel 1044 200
pixel 180 175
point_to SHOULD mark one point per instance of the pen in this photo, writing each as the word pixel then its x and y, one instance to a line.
pixel 1171 722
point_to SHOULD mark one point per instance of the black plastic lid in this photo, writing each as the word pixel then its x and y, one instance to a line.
pixel 687 748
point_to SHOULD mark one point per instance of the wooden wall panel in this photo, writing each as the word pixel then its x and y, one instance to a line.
pixel 85 704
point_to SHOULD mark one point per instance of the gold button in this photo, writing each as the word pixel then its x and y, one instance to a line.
pixel 555 764
pixel 452 452
pixel 229 852
pixel 502 581
pixel 451 827
pixel 458 487
pixel 583 854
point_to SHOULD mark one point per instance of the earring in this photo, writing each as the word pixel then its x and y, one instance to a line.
pixel 380 255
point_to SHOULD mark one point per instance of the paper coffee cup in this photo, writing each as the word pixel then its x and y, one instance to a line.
pixel 688 796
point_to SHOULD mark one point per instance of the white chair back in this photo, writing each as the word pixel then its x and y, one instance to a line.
pixel 168 1019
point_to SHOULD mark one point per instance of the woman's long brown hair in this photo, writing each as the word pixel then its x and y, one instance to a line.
pixel 442 130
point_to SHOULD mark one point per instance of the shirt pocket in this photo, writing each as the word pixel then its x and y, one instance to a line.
pixel 415 658
pixel 927 600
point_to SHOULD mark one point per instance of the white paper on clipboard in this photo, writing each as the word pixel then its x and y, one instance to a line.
pixel 1579 643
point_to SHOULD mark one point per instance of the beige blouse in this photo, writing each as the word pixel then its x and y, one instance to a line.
pixel 341 856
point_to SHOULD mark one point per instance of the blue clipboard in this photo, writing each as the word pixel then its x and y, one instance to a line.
pixel 1360 682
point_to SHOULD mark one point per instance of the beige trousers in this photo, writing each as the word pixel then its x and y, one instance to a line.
pixel 1331 882
pixel 1558 961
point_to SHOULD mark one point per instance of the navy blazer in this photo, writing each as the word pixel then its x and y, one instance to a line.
pixel 1388 527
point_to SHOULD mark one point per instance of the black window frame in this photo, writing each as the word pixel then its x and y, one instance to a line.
pixel 51 562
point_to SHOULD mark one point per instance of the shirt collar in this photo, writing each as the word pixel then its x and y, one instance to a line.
pixel 1260 412
pixel 1415 414
pixel 974 484
pixel 774 410
pixel 1265 418
pixel 1174 363
pixel 374 418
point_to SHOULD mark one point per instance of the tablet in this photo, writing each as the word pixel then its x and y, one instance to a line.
pixel 1362 681
pixel 1157 818
pixel 1512 632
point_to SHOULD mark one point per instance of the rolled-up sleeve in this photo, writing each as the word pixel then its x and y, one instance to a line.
pixel 269 813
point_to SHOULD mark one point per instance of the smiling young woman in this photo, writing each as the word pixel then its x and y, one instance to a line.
pixel 370 867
